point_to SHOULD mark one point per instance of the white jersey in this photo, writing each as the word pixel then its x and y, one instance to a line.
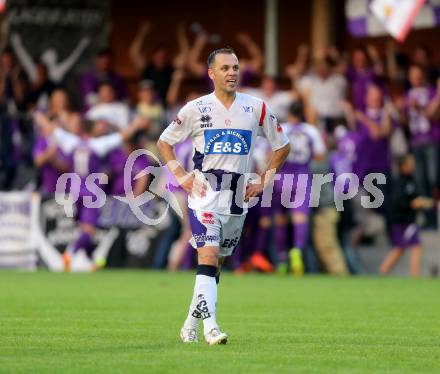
pixel 223 142
pixel 306 141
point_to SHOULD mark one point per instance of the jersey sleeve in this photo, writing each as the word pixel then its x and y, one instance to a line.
pixel 269 128
pixel 180 129
pixel 65 140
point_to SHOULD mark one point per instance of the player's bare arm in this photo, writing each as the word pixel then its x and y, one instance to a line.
pixel 187 181
pixel 276 161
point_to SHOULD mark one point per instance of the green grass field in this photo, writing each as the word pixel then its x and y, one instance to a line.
pixel 127 321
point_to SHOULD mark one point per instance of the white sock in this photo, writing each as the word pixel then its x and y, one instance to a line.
pixel 192 320
pixel 206 295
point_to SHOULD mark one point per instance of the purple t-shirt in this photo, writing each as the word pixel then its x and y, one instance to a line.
pixel 340 164
pixel 346 159
pixel 86 162
pixel 49 173
pixel 422 129
pixel 375 153
pixel 302 148
pixel 359 82
pixel 117 160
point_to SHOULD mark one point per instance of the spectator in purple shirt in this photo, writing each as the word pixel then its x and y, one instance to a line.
pixel 88 151
pixel 103 71
pixel 117 160
pixel 361 73
pixel 51 161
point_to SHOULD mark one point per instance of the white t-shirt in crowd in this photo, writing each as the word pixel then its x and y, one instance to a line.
pixel 326 95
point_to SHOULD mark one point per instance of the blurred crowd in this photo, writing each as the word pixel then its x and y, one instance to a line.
pixel 375 112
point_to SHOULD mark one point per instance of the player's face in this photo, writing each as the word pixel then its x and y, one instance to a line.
pixel 224 72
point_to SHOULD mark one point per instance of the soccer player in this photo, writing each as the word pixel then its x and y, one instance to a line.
pixel 307 144
pixel 223 127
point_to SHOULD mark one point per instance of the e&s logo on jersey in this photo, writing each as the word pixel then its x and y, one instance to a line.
pixel 230 141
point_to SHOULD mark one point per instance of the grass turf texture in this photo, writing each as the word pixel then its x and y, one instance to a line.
pixel 129 321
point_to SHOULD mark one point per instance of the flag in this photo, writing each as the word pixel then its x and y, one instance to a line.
pixel 397 15
pixel 362 22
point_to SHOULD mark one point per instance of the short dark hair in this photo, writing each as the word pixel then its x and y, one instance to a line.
pixel 227 50
pixel 296 109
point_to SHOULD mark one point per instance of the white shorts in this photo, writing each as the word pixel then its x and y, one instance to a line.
pixel 216 230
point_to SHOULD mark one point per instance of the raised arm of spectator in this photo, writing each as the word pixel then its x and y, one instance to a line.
pixel 136 54
pixel 386 125
pixel 174 88
pixel 349 114
pixel 434 105
pixel 376 60
pixel 338 59
pixel 309 111
pixel 298 68
pixel 372 126
pixel 195 66
pixel 390 56
pixel 181 59
pixel 256 59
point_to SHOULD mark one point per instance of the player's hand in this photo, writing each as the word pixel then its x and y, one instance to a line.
pixel 253 190
pixel 193 186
